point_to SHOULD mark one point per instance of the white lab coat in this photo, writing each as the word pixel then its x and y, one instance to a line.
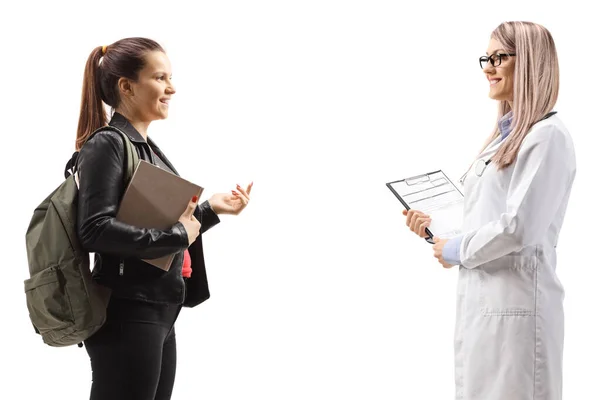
pixel 509 320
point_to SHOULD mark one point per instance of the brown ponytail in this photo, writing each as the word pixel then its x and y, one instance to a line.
pixel 91 115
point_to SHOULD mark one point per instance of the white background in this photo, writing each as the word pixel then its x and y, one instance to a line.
pixel 319 291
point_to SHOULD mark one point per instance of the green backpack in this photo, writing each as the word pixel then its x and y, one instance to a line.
pixel 65 305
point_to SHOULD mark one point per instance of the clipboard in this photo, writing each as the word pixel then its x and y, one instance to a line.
pixel 436 194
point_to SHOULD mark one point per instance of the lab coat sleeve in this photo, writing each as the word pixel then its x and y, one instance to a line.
pixel 542 176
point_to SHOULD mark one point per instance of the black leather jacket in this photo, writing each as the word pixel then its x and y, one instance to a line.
pixel 120 247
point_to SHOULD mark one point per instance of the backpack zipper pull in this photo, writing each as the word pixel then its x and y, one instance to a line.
pixel 121 267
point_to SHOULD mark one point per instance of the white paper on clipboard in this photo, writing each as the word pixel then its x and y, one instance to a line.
pixel 435 195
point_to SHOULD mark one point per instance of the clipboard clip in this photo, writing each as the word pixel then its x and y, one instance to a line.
pixel 415 180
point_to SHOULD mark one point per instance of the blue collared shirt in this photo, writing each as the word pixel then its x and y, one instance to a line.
pixel 504 124
pixel 451 250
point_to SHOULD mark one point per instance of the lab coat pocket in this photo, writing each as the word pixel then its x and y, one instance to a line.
pixel 508 286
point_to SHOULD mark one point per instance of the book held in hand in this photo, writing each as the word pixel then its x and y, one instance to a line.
pixel 156 198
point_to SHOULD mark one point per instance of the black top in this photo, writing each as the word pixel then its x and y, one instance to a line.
pixel 119 247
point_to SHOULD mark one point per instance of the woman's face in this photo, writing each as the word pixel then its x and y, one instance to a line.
pixel 150 95
pixel 500 77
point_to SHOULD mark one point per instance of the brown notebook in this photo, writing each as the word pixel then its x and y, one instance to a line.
pixel 156 198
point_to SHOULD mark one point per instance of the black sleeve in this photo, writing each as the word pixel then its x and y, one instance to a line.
pixel 206 216
pixel 101 165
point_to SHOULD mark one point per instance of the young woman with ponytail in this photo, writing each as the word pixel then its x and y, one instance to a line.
pixel 509 321
pixel 133 355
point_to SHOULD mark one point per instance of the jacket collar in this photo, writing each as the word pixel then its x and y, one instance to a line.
pixel 120 122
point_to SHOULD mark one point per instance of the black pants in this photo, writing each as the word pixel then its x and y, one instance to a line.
pixel 134 354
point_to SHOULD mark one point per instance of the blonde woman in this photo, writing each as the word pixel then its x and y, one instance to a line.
pixel 509 321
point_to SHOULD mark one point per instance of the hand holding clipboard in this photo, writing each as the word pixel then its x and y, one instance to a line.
pixel 419 223
pixel 430 198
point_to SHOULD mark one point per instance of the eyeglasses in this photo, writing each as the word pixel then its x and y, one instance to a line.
pixel 494 59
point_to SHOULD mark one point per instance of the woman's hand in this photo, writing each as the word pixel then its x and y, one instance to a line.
pixel 417 221
pixel 190 223
pixel 234 203
pixel 438 249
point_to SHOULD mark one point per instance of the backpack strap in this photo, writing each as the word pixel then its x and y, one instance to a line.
pixel 70 167
pixel 131 156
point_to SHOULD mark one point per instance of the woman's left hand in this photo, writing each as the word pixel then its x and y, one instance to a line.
pixel 438 249
pixel 234 203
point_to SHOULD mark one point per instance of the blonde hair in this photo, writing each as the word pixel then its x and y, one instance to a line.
pixel 535 83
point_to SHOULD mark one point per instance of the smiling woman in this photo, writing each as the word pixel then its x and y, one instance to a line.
pixel 114 75
pixel 509 320
pixel 133 355
pixel 153 90
pixel 524 80
pixel 498 73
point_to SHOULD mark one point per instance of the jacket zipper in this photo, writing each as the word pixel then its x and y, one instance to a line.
pixel 121 267
pixel 184 288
